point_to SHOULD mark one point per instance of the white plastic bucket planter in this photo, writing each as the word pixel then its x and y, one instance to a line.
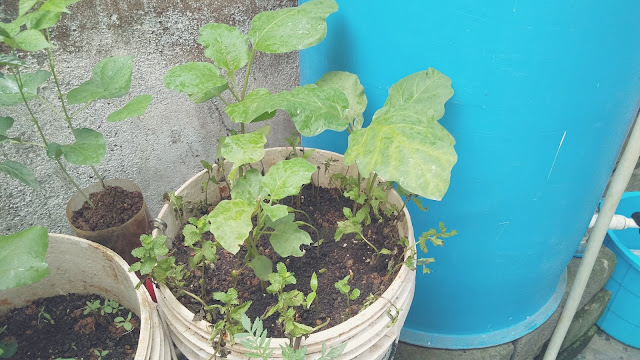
pixel 84 267
pixel 367 334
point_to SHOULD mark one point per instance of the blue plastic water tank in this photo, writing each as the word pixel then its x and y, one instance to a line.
pixel 545 92
pixel 621 318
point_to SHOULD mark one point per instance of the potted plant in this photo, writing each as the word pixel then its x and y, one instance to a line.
pixel 93 269
pixel 99 212
pixel 248 221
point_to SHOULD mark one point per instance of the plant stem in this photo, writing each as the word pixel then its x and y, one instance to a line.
pixel 246 77
pixel 223 100
pixel 372 182
pixel 64 171
pixel 196 298
pixel 100 178
pixel 203 288
pixel 232 85
pixel 67 118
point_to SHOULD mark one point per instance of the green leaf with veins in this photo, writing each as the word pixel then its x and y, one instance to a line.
pixel 10 60
pixel 227 46
pixel 398 139
pixel 136 107
pixel 54 150
pixel 22 257
pixel 258 105
pixel 5 124
pixel 275 212
pixel 286 177
pixel 231 223
pixel 262 267
pixel 350 85
pixel 88 149
pixel 191 235
pixel 287 237
pixel 347 227
pixel 200 80
pixel 10 91
pixel 314 109
pixel 19 172
pixel 28 40
pixel 243 149
pixel 248 187
pixel 293 28
pixel 429 89
pixel 110 78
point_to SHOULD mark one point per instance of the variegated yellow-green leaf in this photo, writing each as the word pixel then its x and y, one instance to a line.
pixel 286 177
pixel 110 78
pixel 315 109
pixel 22 257
pixel 291 29
pixel 406 146
pixel 231 223
pixel 248 187
pixel 136 107
pixel 10 92
pixel 243 149
pixel 259 104
pixel 88 149
pixel 275 212
pixel 287 237
pixel 429 89
pixel 227 46
pixel 351 87
pixel 200 80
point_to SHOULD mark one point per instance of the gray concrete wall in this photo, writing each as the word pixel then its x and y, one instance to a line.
pixel 160 150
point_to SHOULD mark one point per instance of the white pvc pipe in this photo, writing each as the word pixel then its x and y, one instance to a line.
pixel 619 182
pixel 619 222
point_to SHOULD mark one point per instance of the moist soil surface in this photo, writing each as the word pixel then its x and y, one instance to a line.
pixel 331 261
pixel 65 332
pixel 114 206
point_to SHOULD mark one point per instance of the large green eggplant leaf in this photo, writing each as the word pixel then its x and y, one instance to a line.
pixel 111 78
pixel 407 146
pixel 351 87
pixel 22 257
pixel 231 223
pixel 429 89
pixel 88 149
pixel 136 107
pixel 315 109
pixel 19 172
pixel 286 177
pixel 200 80
pixel 227 46
pixel 25 5
pixel 10 92
pixel 275 212
pixel 291 29
pixel 243 149
pixel 248 187
pixel 287 237
pixel 259 104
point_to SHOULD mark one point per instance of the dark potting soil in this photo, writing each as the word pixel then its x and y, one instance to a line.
pixel 55 327
pixel 331 261
pixel 114 206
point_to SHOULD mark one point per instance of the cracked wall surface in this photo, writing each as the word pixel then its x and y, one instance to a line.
pixel 158 151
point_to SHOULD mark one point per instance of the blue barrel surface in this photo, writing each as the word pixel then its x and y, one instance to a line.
pixel 621 318
pixel 545 92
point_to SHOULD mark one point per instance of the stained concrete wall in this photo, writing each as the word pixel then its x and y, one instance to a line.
pixel 160 150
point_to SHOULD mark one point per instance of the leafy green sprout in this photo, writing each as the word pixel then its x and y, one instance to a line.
pixel 42 315
pixel 122 322
pixel 108 307
pixel 154 262
pixel 345 289
pixel 100 354
pixel 205 253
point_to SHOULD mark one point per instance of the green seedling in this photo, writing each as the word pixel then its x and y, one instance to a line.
pixel 345 289
pixel 176 202
pixel 255 338
pixel 42 315
pixel 109 307
pixel 121 322
pixel 204 250
pixel 153 261
pixel 7 348
pixel 100 354
pixel 436 238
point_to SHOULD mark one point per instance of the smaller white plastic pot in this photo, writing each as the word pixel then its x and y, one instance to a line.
pixel 84 267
